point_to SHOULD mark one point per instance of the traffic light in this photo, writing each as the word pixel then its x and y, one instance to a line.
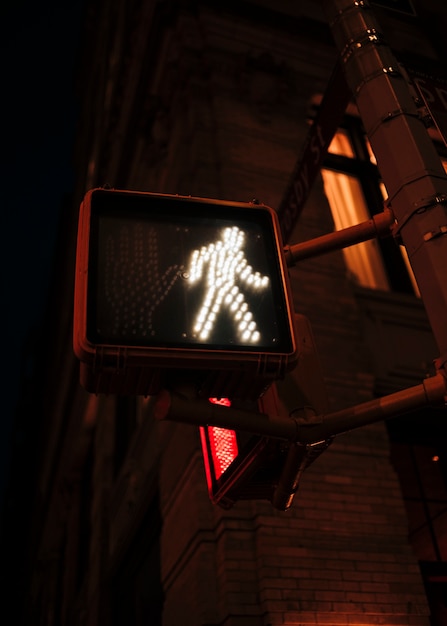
pixel 175 287
pixel 242 465
pixel 232 460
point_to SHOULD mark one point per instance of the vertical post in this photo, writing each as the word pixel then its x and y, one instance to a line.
pixel 409 164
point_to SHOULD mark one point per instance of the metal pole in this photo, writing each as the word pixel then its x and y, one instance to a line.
pixel 379 226
pixel 184 406
pixel 409 164
pixel 296 424
pixel 432 392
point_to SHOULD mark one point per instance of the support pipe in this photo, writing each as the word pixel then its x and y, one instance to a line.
pixel 300 426
pixel 183 406
pixel 379 226
pixel 432 392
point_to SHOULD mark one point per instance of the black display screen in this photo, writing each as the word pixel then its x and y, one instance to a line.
pixel 187 274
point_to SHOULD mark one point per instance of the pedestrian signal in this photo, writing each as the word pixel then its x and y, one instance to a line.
pixel 244 464
pixel 174 286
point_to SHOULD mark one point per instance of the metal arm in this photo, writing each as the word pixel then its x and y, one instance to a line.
pixel 379 226
pixel 301 425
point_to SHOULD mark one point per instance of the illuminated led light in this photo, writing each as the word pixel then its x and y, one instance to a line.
pixel 225 263
pixel 138 299
pixel 222 441
pixel 224 448
pixel 220 401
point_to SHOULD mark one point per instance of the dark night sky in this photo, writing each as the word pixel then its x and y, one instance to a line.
pixel 39 42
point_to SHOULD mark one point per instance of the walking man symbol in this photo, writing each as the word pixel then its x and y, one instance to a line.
pixel 225 264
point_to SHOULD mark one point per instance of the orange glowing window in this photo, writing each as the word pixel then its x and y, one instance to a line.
pixel 341 144
pixel 348 207
pixel 344 188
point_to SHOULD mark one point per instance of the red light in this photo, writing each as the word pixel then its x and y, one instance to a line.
pixel 223 444
pixel 219 447
pixel 221 401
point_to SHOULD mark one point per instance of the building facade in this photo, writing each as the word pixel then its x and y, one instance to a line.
pixel 216 101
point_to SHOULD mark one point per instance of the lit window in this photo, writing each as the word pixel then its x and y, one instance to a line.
pixel 341 144
pixel 355 192
pixel 348 208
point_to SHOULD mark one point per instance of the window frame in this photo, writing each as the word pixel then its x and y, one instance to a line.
pixel 367 173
